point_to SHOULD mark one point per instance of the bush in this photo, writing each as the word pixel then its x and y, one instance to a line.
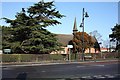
pixel 27 57
pixel 56 57
pixel 9 58
pixel 30 57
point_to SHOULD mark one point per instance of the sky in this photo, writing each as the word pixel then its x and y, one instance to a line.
pixel 102 16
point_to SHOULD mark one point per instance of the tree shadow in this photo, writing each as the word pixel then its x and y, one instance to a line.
pixel 21 76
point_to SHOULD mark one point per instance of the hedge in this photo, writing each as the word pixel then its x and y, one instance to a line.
pixel 51 57
pixel 30 57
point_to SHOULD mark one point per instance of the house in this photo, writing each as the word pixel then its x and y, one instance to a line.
pixel 91 50
pixel 64 51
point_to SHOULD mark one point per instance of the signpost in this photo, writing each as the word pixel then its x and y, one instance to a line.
pixel 69 48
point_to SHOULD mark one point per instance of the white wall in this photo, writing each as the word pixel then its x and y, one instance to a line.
pixel 1 52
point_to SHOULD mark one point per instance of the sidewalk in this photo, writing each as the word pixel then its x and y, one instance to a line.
pixel 53 63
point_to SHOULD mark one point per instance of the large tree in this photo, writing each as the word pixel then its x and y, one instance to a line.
pixel 28 29
pixel 115 36
pixel 77 42
pixel 96 45
pixel 6 37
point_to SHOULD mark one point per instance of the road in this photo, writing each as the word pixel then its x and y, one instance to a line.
pixel 62 71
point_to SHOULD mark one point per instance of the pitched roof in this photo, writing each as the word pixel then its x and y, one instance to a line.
pixel 75 26
pixel 64 38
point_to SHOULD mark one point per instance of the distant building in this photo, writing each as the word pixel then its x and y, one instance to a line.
pixel 107 49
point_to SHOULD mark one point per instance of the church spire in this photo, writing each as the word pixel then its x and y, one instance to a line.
pixel 75 26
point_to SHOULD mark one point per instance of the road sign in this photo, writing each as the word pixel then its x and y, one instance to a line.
pixel 70 46
pixel 7 50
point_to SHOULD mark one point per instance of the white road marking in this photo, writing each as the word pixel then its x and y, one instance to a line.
pixel 99 76
pixel 87 77
pixel 109 76
pixel 80 66
pixel 98 65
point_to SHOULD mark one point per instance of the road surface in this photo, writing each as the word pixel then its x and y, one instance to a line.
pixel 63 71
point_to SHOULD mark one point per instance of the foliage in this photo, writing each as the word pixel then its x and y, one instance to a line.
pixel 6 37
pixel 0 38
pixel 96 34
pixel 96 45
pixel 115 36
pixel 78 40
pixel 56 57
pixel 28 33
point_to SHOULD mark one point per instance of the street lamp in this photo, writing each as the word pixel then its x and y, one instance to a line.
pixel 85 14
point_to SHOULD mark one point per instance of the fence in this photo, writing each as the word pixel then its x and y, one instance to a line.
pixel 52 57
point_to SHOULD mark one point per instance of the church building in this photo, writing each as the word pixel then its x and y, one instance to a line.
pixel 65 38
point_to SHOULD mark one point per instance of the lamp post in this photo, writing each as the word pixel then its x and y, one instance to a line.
pixel 82 25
